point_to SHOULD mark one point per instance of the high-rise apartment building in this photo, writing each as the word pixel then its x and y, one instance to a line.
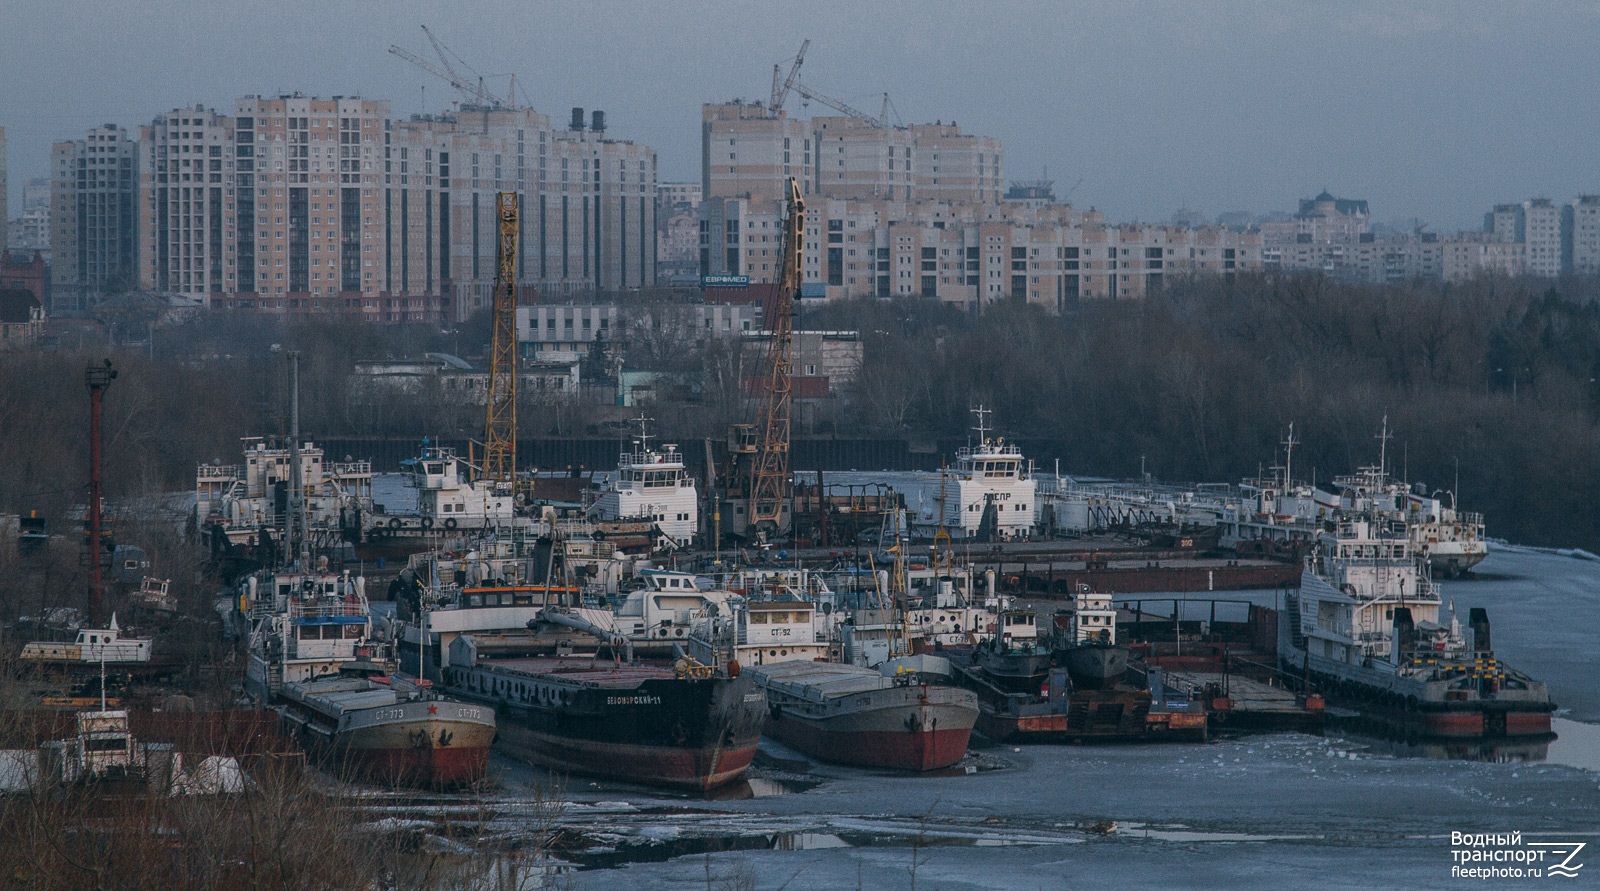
pixel 186 204
pixel 1504 222
pixel 587 202
pixel 312 206
pixel 677 231
pixel 748 152
pixel 1583 235
pixel 30 231
pixel 93 213
pixel 856 159
pixel 1541 233
pixel 968 254
pixel 955 166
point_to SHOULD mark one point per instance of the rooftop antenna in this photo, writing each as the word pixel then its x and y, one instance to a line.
pixel 1288 458
pixel 1383 448
pixel 644 433
pixel 983 425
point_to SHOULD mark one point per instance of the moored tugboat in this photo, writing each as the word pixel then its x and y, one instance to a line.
pixel 1014 658
pixel 1366 626
pixel 1087 646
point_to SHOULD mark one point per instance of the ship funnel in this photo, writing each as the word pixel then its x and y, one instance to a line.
pixel 1405 631
pixel 1478 620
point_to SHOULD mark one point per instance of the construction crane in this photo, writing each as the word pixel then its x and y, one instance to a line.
pixel 771 488
pixel 475 94
pixel 500 423
pixel 880 120
pixel 780 88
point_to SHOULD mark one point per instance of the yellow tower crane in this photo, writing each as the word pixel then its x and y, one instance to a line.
pixel 500 424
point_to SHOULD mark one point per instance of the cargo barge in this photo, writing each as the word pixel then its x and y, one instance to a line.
pixel 853 715
pixel 680 725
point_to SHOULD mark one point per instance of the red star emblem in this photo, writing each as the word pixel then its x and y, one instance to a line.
pixel 433 709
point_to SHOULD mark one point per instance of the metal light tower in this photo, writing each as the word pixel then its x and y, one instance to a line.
pixel 98 378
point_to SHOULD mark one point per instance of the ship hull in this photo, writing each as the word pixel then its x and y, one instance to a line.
pixel 1015 672
pixel 919 736
pixel 632 724
pixel 396 754
pixel 699 769
pixel 1454 564
pixel 1093 667
pixel 424 752
pixel 1419 707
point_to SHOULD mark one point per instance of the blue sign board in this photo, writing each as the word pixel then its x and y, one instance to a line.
pixel 724 281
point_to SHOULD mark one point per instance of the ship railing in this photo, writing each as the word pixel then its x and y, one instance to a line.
pixel 327 608
pixel 989 450
pixel 647 460
pixel 213 473
pixel 348 468
pixel 1406 562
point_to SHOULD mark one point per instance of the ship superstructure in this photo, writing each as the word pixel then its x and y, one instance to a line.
pixel 990 491
pixel 239 500
pixel 652 485
pixel 1369 621
pixel 448 498
pixel 303 625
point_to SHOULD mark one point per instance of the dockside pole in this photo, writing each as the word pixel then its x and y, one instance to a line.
pixel 98 378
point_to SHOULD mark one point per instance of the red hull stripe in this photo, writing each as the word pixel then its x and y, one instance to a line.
pixel 425 767
pixel 901 750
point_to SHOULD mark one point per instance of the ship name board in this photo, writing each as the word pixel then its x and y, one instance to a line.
pixel 633 700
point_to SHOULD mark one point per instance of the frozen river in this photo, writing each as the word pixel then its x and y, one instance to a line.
pixel 1263 812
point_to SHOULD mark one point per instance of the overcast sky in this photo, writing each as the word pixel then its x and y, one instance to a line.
pixel 1429 110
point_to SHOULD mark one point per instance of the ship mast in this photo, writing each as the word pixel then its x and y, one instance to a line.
pixel 1289 443
pixel 295 523
pixel 983 423
pixel 1383 455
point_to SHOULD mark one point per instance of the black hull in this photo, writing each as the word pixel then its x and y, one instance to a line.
pixel 1093 667
pixel 683 733
pixel 1014 671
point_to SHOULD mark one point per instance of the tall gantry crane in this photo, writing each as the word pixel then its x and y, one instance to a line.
pixel 771 487
pixel 500 424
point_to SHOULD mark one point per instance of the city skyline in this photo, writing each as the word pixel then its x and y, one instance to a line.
pixel 1426 109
